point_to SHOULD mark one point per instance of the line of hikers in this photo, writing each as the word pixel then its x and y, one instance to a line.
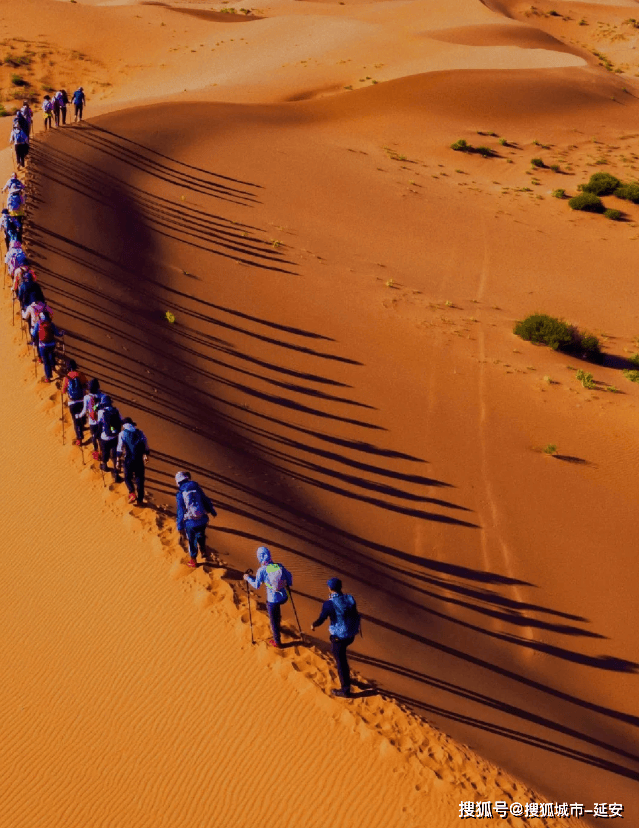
pixel 118 440
pixel 54 109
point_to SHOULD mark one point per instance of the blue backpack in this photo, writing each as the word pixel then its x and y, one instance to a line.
pixel 193 504
pixel 135 444
pixel 347 621
pixel 75 392
pixel 15 200
pixel 112 422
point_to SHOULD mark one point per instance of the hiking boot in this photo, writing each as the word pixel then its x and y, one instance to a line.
pixel 343 694
pixel 104 466
pixel 77 442
pixel 192 562
pixel 131 498
pixel 273 643
pixel 95 455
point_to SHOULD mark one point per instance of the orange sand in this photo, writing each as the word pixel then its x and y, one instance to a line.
pixel 343 378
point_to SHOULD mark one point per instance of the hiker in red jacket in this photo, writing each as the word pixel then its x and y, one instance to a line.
pixel 74 386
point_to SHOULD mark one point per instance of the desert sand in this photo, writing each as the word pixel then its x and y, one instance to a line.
pixel 342 377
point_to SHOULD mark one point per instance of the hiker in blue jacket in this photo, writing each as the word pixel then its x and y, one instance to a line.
pixel 344 625
pixel 278 580
pixel 44 334
pixel 110 425
pixel 79 102
pixel 133 452
pixel 192 519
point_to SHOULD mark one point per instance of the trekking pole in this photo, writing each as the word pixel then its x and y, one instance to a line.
pixel 13 313
pixel 290 595
pixel 35 366
pixel 82 452
pixel 62 412
pixel 248 598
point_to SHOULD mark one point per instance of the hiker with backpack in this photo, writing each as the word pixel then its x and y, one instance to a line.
pixel 11 227
pixel 344 625
pixel 110 426
pixel 278 580
pixel 73 386
pixel 13 183
pixel 27 114
pixel 15 203
pixel 45 333
pixel 91 411
pixel 79 102
pixel 32 313
pixel 20 141
pixel 192 518
pixel 47 111
pixel 29 291
pixel 63 99
pixel 132 453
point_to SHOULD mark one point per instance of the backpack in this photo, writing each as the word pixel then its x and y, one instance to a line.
pixel 46 333
pixel 112 424
pixel 193 504
pixel 275 579
pixel 347 617
pixel 75 392
pixel 92 408
pixel 47 106
pixel 134 442
pixel 15 200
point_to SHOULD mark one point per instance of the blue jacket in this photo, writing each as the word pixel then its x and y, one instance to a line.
pixel 272 596
pixel 182 523
pixel 329 611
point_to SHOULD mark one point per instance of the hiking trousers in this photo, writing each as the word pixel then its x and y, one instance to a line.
pixel 339 646
pixel 275 617
pixel 78 111
pixel 78 423
pixel 109 451
pixel 47 355
pixel 131 470
pixel 196 536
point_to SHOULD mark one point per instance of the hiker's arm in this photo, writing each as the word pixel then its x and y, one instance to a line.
pixel 210 508
pixel 256 582
pixel 179 503
pixel 325 613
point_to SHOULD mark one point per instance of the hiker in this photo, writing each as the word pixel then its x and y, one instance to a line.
pixel 15 203
pixel 110 425
pixel 15 257
pixel 133 445
pixel 192 519
pixel 47 110
pixel 90 410
pixel 32 313
pixel 20 140
pixel 11 227
pixel 13 183
pixel 20 120
pixel 278 580
pixel 27 114
pixel 44 334
pixel 56 110
pixel 79 102
pixel 29 291
pixel 63 99
pixel 73 386
pixel 344 625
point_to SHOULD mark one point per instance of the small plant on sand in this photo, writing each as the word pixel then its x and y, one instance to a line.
pixel 486 152
pixel 390 283
pixel 537 162
pixel 601 184
pixel 461 146
pixel 548 380
pixel 587 202
pixel 613 215
pixel 628 192
pixel 276 243
pixel 555 168
pixel 587 380
pixel 560 193
pixel 3 112
pixel 550 449
pixel 18 80
pixel 170 318
pixel 542 329
pixel 504 142
pixel 633 376
pixel 613 389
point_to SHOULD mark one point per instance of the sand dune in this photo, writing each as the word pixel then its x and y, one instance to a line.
pixel 342 377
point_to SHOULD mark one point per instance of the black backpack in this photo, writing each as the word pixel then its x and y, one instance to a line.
pixel 134 442
pixel 112 422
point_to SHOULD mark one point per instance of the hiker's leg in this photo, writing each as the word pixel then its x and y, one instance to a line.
pixel 46 352
pixel 128 476
pixel 63 110
pixel 139 476
pixel 95 432
pixel 78 424
pixel 339 651
pixel 191 535
pixel 275 617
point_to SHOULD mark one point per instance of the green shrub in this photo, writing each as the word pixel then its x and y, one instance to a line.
pixel 551 449
pixel 558 335
pixel 601 184
pixel 461 146
pixel 3 112
pixel 587 380
pixel 18 80
pixel 546 330
pixel 628 192
pixel 587 202
pixel 485 151
pixel 613 215
pixel 560 193
pixel 537 162
pixel 633 376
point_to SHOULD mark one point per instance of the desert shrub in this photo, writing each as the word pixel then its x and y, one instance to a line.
pixel 560 193
pixel 537 162
pixel 558 335
pixel 586 379
pixel 589 345
pixel 461 146
pixel 601 184
pixel 633 376
pixel 18 80
pixel 613 215
pixel 485 151
pixel 587 202
pixel 628 192
pixel 3 112
pixel 546 330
